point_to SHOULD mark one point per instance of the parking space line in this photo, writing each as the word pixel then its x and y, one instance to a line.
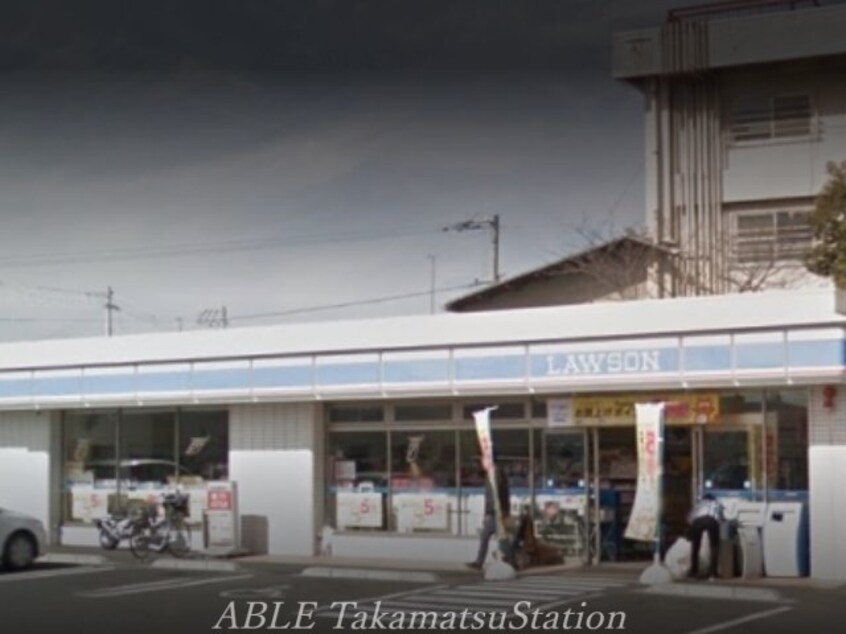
pixel 159 586
pixel 744 619
pixel 47 574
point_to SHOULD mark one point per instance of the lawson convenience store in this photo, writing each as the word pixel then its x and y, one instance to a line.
pixel 367 426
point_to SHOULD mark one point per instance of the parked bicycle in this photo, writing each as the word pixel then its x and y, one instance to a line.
pixel 171 533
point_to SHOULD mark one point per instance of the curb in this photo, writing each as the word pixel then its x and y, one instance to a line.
pixel 76 560
pixel 372 574
pixel 206 565
pixel 696 591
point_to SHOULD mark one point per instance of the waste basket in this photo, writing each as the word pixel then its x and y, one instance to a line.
pixel 726 563
pixel 751 552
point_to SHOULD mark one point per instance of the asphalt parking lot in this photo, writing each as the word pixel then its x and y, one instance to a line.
pixel 130 598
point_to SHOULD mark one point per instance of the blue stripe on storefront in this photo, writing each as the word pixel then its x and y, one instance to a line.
pixel 759 356
pixel 164 382
pixel 560 366
pixel 221 379
pixel 490 368
pixel 348 374
pixel 419 371
pixel 15 388
pixel 811 354
pixel 109 384
pixel 57 386
pixel 707 358
pixel 287 376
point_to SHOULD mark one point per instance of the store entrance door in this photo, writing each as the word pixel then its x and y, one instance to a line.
pixel 679 484
pixel 562 496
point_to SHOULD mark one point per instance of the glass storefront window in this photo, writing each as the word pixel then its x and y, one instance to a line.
pixel 358 480
pixel 90 467
pixel 725 458
pixel 503 411
pixel 423 413
pixel 512 456
pixel 786 434
pixel 423 481
pixel 118 460
pixel 147 450
pixel 203 445
pixel 356 413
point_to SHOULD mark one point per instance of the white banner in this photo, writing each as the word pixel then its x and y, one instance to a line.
pixel 483 431
pixel 643 523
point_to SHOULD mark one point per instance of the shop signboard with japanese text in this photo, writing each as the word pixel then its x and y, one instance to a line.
pixel 222 515
pixel 681 409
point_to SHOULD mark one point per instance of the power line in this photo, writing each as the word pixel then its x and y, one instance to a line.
pixel 361 302
pixel 184 250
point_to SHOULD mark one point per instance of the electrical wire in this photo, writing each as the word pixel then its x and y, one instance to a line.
pixel 362 302
pixel 183 250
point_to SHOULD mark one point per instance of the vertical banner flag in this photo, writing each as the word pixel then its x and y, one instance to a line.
pixel 643 523
pixel 483 431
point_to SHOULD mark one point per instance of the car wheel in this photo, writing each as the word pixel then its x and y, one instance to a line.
pixel 19 552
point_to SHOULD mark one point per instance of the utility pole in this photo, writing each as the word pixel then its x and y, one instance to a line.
pixel 110 306
pixel 483 223
pixel 432 260
pixel 213 318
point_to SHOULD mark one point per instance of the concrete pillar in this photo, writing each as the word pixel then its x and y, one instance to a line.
pixel 27 464
pixel 827 471
pixel 275 458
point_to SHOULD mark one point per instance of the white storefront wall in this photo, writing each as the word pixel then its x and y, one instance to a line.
pixel 275 457
pixel 827 472
pixel 276 429
pixel 28 461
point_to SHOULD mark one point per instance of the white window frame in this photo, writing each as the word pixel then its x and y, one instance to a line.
pixel 762 126
pixel 781 251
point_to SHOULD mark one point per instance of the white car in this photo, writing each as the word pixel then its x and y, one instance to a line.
pixel 22 540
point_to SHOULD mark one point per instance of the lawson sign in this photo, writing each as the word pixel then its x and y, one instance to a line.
pixel 602 362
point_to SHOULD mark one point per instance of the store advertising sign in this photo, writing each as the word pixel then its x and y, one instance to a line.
pixel 358 509
pixel 600 362
pixel 680 409
pixel 643 522
pixel 422 511
pixel 222 515
pixel 559 412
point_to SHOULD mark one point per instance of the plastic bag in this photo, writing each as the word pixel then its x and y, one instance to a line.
pixel 677 558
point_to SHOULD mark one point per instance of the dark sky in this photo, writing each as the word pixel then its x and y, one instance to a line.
pixel 466 35
pixel 280 156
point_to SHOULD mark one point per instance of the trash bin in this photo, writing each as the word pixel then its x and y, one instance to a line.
pixel 726 563
pixel 786 552
pixel 751 552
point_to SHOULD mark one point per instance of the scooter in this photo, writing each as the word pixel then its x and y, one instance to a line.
pixel 114 529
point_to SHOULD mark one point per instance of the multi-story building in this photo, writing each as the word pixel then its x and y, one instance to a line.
pixel 745 105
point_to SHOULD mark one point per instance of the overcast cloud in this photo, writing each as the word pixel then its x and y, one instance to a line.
pixel 272 158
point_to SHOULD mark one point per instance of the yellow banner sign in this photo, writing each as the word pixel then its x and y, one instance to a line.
pixel 680 409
